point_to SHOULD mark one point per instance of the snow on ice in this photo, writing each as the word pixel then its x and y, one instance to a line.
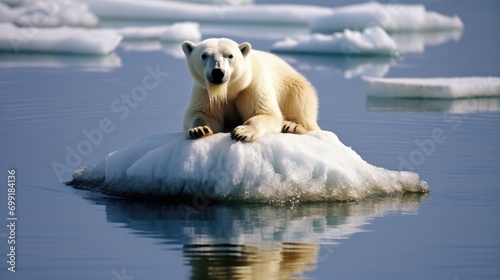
pixel 391 17
pixel 444 88
pixel 372 41
pixel 176 32
pixel 278 168
pixel 48 14
pixel 181 11
pixel 85 13
pixel 58 40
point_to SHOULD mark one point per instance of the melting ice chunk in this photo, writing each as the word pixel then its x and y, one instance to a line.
pixel 372 41
pixel 391 17
pixel 443 88
pixel 277 168
pixel 176 32
pixel 58 40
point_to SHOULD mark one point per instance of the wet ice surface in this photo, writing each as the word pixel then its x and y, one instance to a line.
pixel 48 101
pixel 434 88
pixel 281 168
pixel 391 17
pixel 61 40
pixel 371 41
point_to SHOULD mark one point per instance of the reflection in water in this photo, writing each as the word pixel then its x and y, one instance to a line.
pixel 172 49
pixel 252 241
pixel 415 42
pixel 355 66
pixel 349 66
pixel 228 261
pixel 85 62
pixel 453 106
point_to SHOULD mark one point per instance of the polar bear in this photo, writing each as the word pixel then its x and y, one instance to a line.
pixel 246 92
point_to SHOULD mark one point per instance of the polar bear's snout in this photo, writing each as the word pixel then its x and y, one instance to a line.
pixel 217 76
pixel 215 69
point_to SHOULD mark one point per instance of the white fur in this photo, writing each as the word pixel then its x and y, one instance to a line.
pixel 258 94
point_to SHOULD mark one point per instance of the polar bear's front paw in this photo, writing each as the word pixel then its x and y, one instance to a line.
pixel 199 132
pixel 293 127
pixel 244 133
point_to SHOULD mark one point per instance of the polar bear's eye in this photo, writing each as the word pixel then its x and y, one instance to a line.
pixel 204 56
pixel 230 56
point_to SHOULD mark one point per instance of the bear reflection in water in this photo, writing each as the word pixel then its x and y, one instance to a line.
pixel 228 261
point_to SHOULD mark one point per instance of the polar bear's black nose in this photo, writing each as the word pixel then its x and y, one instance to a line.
pixel 217 75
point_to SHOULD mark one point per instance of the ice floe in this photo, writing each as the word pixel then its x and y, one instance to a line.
pixel 372 41
pixel 416 42
pixel 57 40
pixel 218 2
pixel 180 11
pixel 277 168
pixel 391 17
pixel 39 13
pixel 348 66
pixel 444 88
pixel 450 106
pixel 90 63
pixel 176 32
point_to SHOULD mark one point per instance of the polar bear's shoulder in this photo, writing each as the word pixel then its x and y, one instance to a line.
pixel 264 61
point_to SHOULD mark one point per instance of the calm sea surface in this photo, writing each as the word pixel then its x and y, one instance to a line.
pixel 48 102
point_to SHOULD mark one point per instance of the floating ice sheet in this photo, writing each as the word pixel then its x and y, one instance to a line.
pixel 81 62
pixel 450 106
pixel 181 11
pixel 444 88
pixel 170 33
pixel 391 17
pixel 372 41
pixel 42 13
pixel 58 40
pixel 277 168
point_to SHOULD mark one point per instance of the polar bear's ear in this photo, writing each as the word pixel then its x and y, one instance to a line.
pixel 187 47
pixel 245 48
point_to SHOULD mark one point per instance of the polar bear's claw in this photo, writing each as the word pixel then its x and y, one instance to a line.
pixel 293 127
pixel 198 132
pixel 244 133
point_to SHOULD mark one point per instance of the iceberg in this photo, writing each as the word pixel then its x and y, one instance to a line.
pixel 441 88
pixel 37 13
pixel 372 41
pixel 57 40
pixel 391 17
pixel 279 168
pixel 180 11
pixel 176 32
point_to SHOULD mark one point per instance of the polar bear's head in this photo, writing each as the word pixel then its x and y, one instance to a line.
pixel 215 63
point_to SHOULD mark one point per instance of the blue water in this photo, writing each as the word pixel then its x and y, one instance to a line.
pixel 452 233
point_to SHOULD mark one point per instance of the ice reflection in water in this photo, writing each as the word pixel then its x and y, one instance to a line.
pixel 454 106
pixel 253 241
